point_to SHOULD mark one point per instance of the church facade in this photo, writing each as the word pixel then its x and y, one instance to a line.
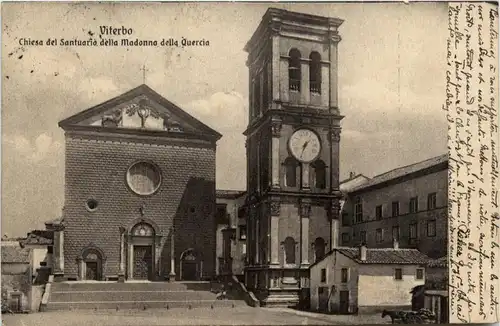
pixel 139 193
pixel 292 147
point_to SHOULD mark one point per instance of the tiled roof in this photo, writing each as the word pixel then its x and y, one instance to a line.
pixel 402 171
pixel 15 254
pixel 220 193
pixel 386 256
pixel 439 262
pixel 39 237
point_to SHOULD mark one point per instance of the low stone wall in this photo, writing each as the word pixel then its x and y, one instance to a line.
pixel 368 310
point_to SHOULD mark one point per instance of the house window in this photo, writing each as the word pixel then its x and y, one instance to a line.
pixel 358 210
pixel 50 249
pixel 378 212
pixel 345 238
pixel 362 235
pixel 289 250
pixel 395 233
pixel 243 232
pixel 395 208
pixel 379 235
pixel 344 275
pixel 319 174
pixel 345 219
pixel 319 248
pixel 420 274
pixel 431 228
pixel 431 201
pixel 398 274
pixel 413 205
pixel 291 172
pixel 315 73
pixel 413 231
pixel 294 70
pixel 323 275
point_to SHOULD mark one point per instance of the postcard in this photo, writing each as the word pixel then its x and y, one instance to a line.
pixel 249 163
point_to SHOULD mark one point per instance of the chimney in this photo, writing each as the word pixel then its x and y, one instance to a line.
pixel 352 175
pixel 362 252
pixel 395 244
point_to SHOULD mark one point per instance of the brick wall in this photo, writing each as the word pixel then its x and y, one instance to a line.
pixel 96 169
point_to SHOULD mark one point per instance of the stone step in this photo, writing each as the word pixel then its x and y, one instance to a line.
pixel 129 286
pixel 142 305
pixel 103 296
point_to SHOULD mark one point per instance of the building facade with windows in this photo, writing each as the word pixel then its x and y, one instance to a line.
pixel 408 204
pixel 366 280
pixel 292 143
pixel 139 193
pixel 231 232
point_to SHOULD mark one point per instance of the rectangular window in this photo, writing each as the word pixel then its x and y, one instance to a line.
pixel 243 232
pixel 398 274
pixel 431 201
pixel 358 210
pixel 395 232
pixel 413 205
pixel 378 212
pixel 420 274
pixel 323 275
pixel 345 238
pixel 344 274
pixel 431 228
pixel 379 235
pixel 413 231
pixel 395 208
pixel 362 235
pixel 50 249
pixel 345 219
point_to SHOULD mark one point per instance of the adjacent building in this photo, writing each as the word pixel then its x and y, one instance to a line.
pixel 407 204
pixel 231 232
pixel 352 280
pixel 139 193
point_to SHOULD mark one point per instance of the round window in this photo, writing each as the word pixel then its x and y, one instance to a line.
pixel 91 205
pixel 144 178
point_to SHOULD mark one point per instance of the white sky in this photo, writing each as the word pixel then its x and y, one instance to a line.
pixel 382 128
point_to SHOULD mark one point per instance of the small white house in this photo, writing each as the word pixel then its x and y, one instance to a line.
pixel 352 280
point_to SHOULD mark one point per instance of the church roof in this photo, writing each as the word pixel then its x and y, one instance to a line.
pixel 137 97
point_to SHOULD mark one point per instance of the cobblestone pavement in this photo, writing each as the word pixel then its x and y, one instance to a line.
pixel 198 316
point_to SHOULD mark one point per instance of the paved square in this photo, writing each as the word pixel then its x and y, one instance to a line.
pixel 181 316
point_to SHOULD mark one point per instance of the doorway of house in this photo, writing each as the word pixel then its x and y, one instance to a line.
pixel 143 262
pixel 344 302
pixel 91 271
pixel 323 298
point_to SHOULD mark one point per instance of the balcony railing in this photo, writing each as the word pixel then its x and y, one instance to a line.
pixel 315 86
pixel 295 85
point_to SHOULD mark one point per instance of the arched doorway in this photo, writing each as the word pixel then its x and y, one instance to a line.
pixel 141 252
pixel 191 267
pixel 91 264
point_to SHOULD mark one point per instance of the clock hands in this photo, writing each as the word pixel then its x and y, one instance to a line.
pixel 303 148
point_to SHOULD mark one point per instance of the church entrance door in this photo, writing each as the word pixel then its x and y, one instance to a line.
pixel 91 271
pixel 143 262
pixel 191 266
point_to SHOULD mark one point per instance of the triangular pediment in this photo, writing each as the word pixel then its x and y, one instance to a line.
pixel 140 109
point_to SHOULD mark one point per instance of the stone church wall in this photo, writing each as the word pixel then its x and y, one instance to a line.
pixel 96 169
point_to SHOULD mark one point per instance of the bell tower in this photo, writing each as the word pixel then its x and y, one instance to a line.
pixel 292 148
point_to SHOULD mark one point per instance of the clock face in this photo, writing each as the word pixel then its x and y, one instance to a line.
pixel 305 145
